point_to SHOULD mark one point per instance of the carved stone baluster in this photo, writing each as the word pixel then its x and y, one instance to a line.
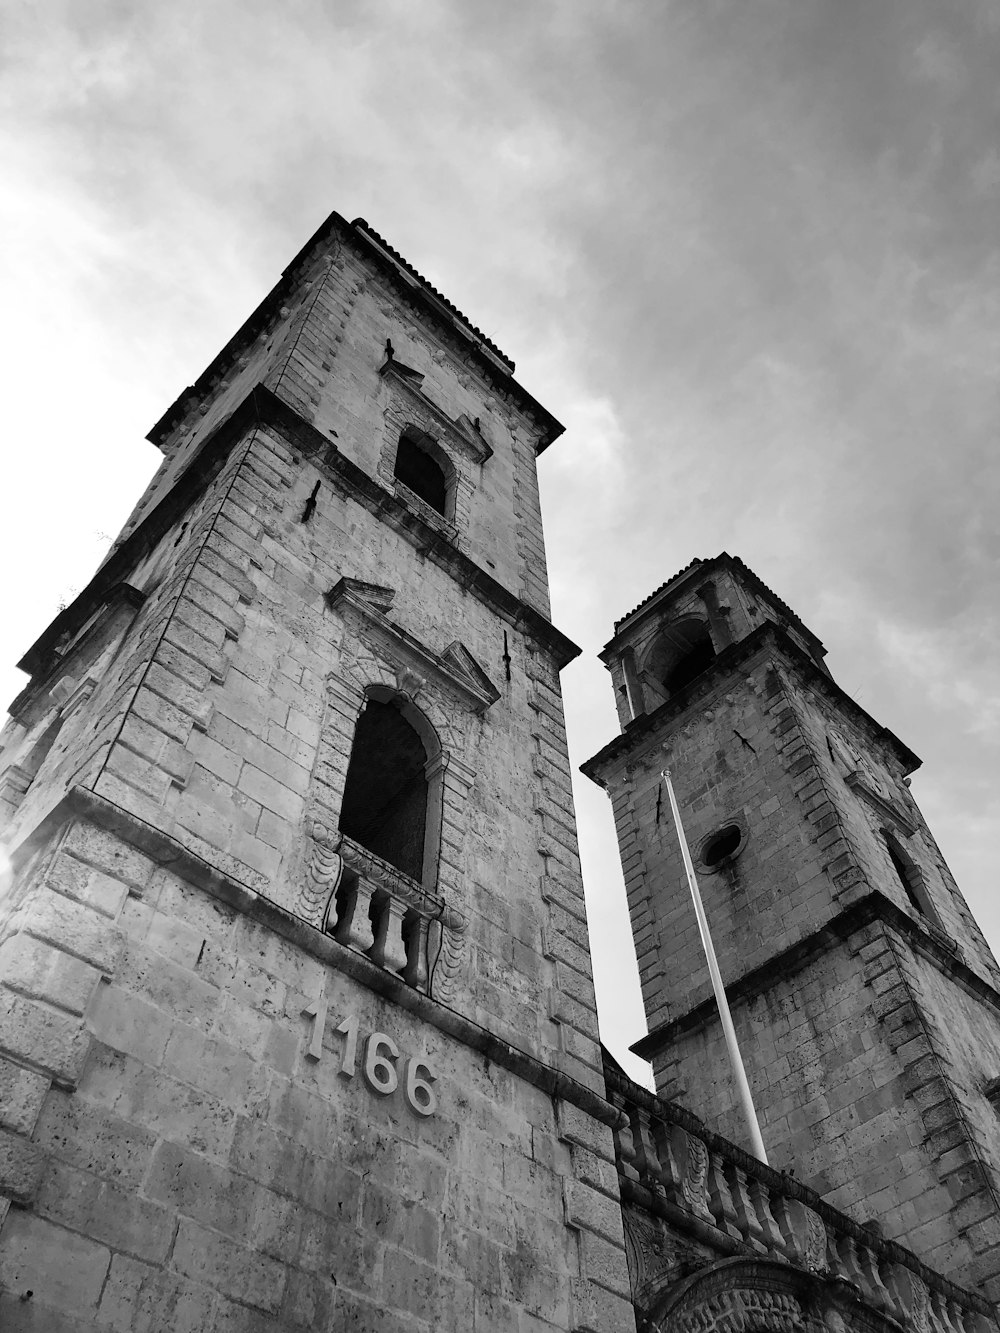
pixel 415 937
pixel 671 1170
pixel 388 949
pixel 625 1153
pixel 720 1200
pixel 744 1212
pixel 872 1284
pixel 909 1297
pixel 692 1157
pixel 354 926
pixel 761 1196
pixel 954 1314
pixel 651 1173
pixel 845 1248
pixel 803 1230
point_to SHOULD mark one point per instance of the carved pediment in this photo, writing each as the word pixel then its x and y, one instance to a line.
pixel 415 662
pixel 882 805
pixel 461 661
pixel 462 432
pixel 375 594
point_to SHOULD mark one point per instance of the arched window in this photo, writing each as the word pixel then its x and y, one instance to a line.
pixel 418 468
pixel 387 794
pixel 681 652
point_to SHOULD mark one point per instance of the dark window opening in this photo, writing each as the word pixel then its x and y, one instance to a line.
pixel 908 877
pixel 385 795
pixel 418 471
pixel 722 844
pixel 683 651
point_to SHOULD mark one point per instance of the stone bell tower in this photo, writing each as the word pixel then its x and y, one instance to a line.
pixel 866 1000
pixel 297 1026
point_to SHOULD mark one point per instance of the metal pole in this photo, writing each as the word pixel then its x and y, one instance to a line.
pixel 739 1073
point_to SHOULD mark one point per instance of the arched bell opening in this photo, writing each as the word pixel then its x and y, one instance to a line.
pixel 679 653
pixel 392 799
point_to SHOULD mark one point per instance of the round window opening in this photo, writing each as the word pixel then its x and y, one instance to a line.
pixel 721 845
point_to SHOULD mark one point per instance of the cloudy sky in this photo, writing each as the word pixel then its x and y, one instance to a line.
pixel 747 253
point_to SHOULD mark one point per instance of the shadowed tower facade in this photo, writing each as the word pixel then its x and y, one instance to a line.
pixel 297 1026
pixel 864 995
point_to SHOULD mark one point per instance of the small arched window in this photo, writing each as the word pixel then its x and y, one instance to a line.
pixel 386 795
pixel 681 652
pixel 420 471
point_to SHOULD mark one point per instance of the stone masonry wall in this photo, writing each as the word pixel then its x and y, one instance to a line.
pixel 200 1160
pixel 224 720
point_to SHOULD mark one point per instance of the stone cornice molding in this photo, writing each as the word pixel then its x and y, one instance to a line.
pixel 262 407
pixel 923 936
pixel 79 803
pixel 641 734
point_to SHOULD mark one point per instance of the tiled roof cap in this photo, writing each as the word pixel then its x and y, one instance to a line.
pixel 433 291
pixel 723 558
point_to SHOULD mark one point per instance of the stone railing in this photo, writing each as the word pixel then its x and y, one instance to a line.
pixel 381 912
pixel 669 1163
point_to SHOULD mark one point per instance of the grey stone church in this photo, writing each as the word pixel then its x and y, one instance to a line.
pixel 297 1025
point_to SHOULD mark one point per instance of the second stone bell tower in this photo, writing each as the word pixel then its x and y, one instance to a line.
pixel 865 998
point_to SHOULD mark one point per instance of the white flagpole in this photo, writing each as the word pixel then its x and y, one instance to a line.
pixel 739 1073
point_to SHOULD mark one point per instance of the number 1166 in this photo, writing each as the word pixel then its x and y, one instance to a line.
pixel 379 1067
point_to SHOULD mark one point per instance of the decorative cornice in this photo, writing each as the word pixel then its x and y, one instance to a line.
pixel 166 851
pixel 924 938
pixel 105 601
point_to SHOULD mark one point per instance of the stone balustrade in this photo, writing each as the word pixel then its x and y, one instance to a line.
pixel 669 1163
pixel 383 913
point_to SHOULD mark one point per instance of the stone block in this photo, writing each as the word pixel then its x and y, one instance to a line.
pixel 209 1193
pixel 89 1137
pixel 123 1021
pixel 401 1222
pixel 589 1210
pixel 105 1211
pixel 205 1256
pixel 20 1166
pixel 72 927
pixel 22 1092
pixel 138 1298
pixel 86 884
pixel 42 1037
pixel 604 1263
pixel 106 852
pixel 36 1255
pixel 579 1127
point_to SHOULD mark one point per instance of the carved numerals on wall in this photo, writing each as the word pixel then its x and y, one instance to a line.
pixel 379 1058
